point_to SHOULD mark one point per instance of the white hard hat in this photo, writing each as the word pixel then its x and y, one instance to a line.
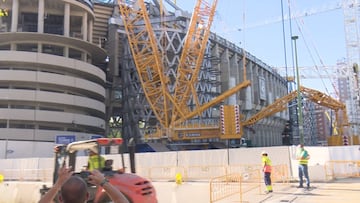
pixel 263 152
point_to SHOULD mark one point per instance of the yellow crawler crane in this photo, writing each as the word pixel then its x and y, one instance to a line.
pixel 316 97
pixel 147 58
pixel 171 110
pixel 192 57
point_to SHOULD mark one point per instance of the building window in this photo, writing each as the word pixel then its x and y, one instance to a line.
pixel 75 54
pixel 3 124
pixel 5 47
pixel 14 106
pixel 46 108
pixel 44 127
pixel 53 49
pixel 22 125
pixel 29 22
pixel 27 47
pixel 75 27
pixel 54 24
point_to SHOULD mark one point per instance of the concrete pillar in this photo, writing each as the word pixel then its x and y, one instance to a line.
pixel 234 78
pixel 215 53
pixel 232 99
pixel 234 70
pixel 41 13
pixel 225 70
pixel 66 26
pixel 91 25
pixel 249 97
pixel 14 16
pixel 67 20
pixel 84 28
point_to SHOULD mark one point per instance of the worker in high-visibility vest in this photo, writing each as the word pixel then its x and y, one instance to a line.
pixel 95 161
pixel 303 157
pixel 266 163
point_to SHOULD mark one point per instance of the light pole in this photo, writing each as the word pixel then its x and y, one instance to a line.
pixel 300 116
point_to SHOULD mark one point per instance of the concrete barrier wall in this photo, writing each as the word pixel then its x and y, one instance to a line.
pixel 202 165
pixel 208 163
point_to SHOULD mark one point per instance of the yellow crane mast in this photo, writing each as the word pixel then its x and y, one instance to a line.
pixel 147 58
pixel 192 56
pixel 171 109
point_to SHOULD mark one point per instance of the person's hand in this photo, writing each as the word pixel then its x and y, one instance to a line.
pixel 96 177
pixel 64 174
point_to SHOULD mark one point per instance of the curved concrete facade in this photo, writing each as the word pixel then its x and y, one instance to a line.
pixel 49 80
pixel 266 86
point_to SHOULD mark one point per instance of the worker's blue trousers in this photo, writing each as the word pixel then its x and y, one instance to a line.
pixel 303 172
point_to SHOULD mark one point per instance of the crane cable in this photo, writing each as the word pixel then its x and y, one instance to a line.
pixel 284 43
pixel 300 24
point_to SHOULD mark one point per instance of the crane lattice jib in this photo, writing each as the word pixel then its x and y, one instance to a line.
pixel 277 106
pixel 322 99
pixel 311 94
pixel 327 101
pixel 213 102
pixel 146 56
pixel 192 56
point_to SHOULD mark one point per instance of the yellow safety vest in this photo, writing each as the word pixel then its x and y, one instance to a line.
pixel 266 164
pixel 303 157
pixel 95 163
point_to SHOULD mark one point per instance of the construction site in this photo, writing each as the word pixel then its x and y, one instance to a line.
pixel 160 77
pixel 203 91
pixel 192 110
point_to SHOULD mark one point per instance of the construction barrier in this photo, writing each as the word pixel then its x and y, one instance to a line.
pixel 203 172
pixel 241 168
pixel 202 165
pixel 159 173
pixel 225 186
pixel 342 169
pixel 280 173
pixel 164 172
pixel 44 175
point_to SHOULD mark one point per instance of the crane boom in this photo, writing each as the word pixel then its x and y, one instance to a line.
pixel 192 56
pixel 147 58
pixel 170 108
pixel 277 106
pixel 311 94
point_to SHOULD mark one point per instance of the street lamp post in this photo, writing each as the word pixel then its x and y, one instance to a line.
pixel 300 115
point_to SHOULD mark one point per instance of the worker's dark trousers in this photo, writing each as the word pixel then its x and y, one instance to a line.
pixel 267 178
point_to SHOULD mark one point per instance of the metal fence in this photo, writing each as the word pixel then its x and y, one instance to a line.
pixel 280 173
pixel 342 169
pixel 234 184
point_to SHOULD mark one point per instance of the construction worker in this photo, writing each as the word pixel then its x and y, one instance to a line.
pixel 95 160
pixel 303 156
pixel 266 163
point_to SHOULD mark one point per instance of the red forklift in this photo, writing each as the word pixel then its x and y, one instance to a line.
pixel 136 189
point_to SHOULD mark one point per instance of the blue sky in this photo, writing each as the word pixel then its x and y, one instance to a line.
pixel 321 33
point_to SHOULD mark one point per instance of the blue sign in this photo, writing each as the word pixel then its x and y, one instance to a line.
pixel 95 136
pixel 64 139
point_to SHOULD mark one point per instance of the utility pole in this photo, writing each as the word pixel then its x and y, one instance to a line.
pixel 300 116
